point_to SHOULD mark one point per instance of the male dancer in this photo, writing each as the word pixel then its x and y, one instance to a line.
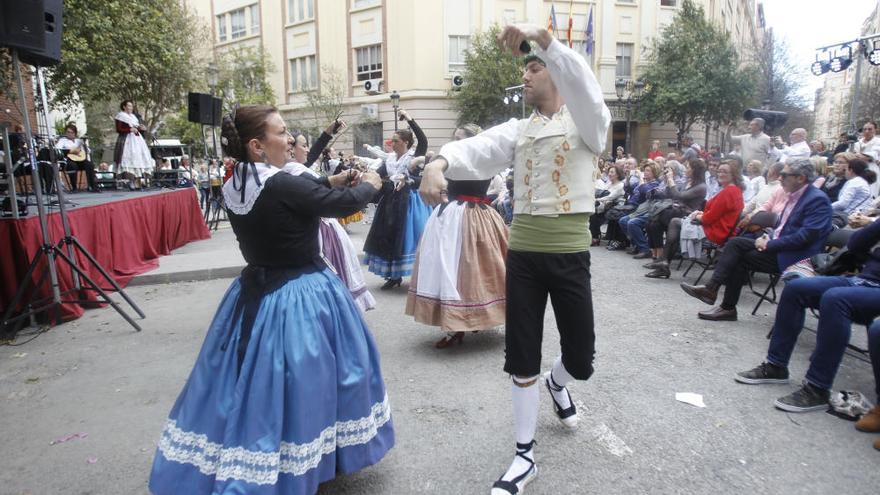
pixel 554 153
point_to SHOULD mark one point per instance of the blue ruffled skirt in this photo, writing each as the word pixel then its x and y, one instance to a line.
pixel 308 402
pixel 417 213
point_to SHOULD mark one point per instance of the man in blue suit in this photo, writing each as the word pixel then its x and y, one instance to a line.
pixel 803 226
pixel 841 301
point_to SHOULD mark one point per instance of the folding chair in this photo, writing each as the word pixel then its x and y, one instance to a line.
pixel 771 287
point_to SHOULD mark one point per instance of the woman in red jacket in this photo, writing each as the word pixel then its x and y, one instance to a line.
pixel 723 210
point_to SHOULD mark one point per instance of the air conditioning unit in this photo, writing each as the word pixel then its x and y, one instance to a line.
pixel 373 86
pixel 457 82
pixel 370 111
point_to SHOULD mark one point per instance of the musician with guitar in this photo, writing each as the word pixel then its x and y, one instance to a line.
pixel 76 156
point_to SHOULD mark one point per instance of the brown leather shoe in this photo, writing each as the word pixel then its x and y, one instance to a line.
pixel 718 314
pixel 877 444
pixel 701 292
pixel 870 422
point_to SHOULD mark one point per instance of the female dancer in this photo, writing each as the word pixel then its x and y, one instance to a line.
pixel 458 281
pixel 286 392
pixel 132 155
pixel 335 245
pixel 390 248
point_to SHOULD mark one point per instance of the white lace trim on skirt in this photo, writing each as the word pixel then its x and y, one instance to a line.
pixel 263 468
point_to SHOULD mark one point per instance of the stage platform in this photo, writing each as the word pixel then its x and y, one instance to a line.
pixel 126 231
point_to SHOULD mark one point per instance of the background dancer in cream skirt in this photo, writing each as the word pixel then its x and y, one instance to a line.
pixel 458 280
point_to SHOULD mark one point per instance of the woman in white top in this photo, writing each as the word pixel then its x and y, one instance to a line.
pixel 615 195
pixel 755 180
pixel 856 191
pixel 132 155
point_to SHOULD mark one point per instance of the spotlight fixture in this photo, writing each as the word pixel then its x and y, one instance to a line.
pixel 874 53
pixel 843 59
pixel 820 67
pixel 516 97
pixel 506 100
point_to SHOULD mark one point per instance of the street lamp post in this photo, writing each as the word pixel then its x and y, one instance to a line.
pixel 213 73
pixel 629 93
pixel 395 103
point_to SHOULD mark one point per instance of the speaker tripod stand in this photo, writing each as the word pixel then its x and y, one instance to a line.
pixel 49 254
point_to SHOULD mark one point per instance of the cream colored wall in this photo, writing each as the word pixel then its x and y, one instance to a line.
pixel 414 36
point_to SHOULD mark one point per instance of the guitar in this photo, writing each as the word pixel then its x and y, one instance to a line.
pixel 77 154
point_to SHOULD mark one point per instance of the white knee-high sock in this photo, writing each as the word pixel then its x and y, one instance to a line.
pixel 560 377
pixel 525 408
pixel 525 417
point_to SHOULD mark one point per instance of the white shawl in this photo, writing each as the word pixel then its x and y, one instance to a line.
pixel 128 118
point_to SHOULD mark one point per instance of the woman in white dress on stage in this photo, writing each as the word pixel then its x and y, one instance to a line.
pixel 132 155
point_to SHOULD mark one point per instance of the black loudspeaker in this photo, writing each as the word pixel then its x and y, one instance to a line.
pixel 21 24
pixel 217 113
pixel 50 14
pixel 772 118
pixel 200 109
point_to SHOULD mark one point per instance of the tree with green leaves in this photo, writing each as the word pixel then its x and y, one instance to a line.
pixel 242 78
pixel 695 74
pixel 118 49
pixel 488 70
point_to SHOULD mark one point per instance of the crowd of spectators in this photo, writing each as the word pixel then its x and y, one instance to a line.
pixel 767 207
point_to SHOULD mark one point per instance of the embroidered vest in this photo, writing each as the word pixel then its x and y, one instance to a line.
pixel 554 169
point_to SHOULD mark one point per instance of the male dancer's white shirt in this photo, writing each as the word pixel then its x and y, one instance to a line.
pixel 581 124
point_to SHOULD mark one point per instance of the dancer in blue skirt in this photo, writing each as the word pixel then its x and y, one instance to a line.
pixel 286 392
pixel 391 245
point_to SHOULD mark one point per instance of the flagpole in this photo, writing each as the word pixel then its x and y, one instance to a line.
pixel 570 22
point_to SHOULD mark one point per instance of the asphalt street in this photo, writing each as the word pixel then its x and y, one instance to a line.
pixel 101 392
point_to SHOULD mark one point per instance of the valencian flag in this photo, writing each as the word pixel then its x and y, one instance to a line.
pixel 551 24
pixel 589 34
pixel 570 22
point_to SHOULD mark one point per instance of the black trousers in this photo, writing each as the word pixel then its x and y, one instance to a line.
pixel 531 277
pixel 738 258
pixel 72 167
pixel 596 221
pixel 660 223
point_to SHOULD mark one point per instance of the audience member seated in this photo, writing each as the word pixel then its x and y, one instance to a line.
pixel 633 225
pixel 856 191
pixel 617 237
pixel 614 197
pixel 835 180
pixel 841 301
pixel 774 204
pixel 685 200
pixel 755 180
pixel 712 186
pixel 773 185
pixel 803 226
pixel 718 218
pixel 820 163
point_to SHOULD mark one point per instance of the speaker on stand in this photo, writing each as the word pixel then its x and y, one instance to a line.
pixel 32 30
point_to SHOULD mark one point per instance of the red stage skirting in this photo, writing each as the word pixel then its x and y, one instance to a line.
pixel 126 237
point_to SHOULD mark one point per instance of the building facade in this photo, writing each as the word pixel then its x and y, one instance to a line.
pixel 363 50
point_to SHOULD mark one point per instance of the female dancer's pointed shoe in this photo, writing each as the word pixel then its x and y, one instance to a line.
pixel 391 283
pixel 450 340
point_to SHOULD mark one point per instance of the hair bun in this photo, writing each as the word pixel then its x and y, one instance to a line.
pixel 230 140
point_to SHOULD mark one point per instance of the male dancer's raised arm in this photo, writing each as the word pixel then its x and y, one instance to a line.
pixel 484 155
